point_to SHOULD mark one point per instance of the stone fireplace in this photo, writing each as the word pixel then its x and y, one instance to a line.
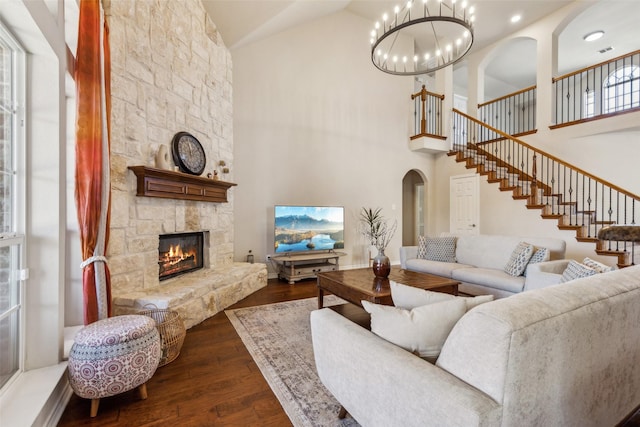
pixel 165 79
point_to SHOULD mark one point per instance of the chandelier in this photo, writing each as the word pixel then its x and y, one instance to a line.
pixel 422 37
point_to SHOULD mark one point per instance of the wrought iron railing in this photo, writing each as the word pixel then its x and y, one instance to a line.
pixel 601 90
pixel 514 113
pixel 427 114
pixel 579 200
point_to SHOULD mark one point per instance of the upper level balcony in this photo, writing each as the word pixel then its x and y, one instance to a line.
pixel 597 92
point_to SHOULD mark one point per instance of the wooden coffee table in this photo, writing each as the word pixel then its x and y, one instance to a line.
pixel 360 284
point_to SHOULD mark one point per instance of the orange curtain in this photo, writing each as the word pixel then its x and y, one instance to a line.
pixel 93 194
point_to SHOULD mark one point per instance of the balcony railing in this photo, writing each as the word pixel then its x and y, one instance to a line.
pixel 427 114
pixel 601 90
pixel 514 113
pixel 579 200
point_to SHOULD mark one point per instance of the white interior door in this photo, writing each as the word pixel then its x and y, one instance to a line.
pixel 464 209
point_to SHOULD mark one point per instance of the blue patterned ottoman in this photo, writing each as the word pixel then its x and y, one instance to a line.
pixel 112 356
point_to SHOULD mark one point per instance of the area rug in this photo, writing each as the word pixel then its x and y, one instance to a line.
pixel 278 337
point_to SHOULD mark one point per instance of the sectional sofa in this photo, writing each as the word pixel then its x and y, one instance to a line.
pixel 564 355
pixel 480 261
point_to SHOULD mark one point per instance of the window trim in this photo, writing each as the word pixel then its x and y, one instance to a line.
pixel 626 70
pixel 18 154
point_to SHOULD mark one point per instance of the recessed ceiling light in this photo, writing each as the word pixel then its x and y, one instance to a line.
pixel 515 18
pixel 593 36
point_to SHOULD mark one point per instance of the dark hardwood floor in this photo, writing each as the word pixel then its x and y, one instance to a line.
pixel 214 381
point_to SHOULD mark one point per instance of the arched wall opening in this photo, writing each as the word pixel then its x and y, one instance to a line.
pixel 414 207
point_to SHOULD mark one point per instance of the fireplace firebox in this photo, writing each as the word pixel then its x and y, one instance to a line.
pixel 180 253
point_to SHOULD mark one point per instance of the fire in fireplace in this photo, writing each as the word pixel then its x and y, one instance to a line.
pixel 180 253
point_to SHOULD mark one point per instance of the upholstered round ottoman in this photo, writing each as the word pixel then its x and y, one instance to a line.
pixel 112 356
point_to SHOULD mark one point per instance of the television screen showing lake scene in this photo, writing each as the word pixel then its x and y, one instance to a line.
pixel 308 228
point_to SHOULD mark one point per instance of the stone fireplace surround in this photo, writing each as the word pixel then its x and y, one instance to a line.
pixel 170 72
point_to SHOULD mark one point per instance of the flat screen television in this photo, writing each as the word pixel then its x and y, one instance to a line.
pixel 308 228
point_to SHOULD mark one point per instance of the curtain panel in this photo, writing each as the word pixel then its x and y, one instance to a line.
pixel 92 191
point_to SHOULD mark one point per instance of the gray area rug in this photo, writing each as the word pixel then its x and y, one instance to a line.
pixel 278 337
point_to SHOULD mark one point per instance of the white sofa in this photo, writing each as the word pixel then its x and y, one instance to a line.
pixel 480 262
pixel 565 355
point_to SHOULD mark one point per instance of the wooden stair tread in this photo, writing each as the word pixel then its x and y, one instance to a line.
pixel 569 227
pixel 551 216
pixel 587 239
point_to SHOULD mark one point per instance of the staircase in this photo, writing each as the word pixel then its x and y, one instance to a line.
pixel 574 198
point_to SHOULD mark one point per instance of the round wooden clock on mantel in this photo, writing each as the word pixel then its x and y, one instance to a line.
pixel 188 153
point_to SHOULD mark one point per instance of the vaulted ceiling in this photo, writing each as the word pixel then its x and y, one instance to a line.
pixel 245 21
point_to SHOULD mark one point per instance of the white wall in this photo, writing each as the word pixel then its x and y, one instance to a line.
pixel 316 123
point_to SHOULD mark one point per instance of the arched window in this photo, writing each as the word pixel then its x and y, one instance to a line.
pixel 621 90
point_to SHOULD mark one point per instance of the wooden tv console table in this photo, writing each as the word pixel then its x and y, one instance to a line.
pixel 300 266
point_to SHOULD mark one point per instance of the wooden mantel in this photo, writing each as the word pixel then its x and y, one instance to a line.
pixel 167 184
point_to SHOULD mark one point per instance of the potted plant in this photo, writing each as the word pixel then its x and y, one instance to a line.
pixel 376 229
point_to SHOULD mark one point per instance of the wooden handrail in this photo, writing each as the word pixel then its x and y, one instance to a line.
pixel 508 96
pixel 555 79
pixel 550 156
pixel 425 92
pixel 594 118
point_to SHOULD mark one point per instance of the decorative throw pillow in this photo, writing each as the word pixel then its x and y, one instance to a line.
pixel 441 249
pixel 540 255
pixel 575 270
pixel 422 330
pixel 409 297
pixel 519 259
pixel 422 247
pixel 597 266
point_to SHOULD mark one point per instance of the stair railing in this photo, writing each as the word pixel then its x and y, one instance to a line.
pixel 514 113
pixel 597 91
pixel 579 200
pixel 428 106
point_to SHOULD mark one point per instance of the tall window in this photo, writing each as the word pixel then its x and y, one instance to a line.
pixel 621 90
pixel 12 79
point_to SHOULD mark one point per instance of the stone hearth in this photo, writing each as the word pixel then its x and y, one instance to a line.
pixel 199 295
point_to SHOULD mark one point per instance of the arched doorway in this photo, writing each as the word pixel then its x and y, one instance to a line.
pixel 414 211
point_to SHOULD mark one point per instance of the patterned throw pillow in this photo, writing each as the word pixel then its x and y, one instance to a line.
pixel 540 255
pixel 519 259
pixel 597 266
pixel 575 270
pixel 422 247
pixel 441 249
